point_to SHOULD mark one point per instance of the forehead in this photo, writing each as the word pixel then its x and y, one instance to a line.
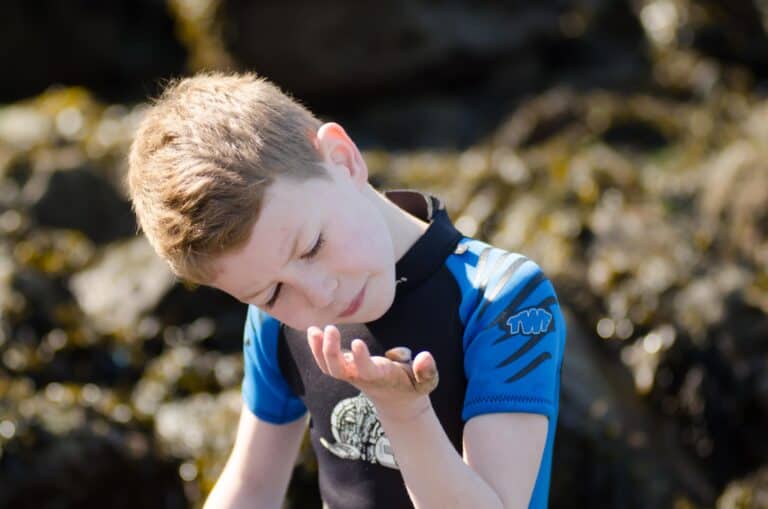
pixel 270 240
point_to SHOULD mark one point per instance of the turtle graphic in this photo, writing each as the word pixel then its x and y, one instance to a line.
pixel 358 433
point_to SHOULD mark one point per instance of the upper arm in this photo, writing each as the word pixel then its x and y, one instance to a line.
pixel 513 342
pixel 264 454
pixel 506 450
pixel 514 338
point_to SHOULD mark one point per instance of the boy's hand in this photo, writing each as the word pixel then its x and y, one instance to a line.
pixel 395 383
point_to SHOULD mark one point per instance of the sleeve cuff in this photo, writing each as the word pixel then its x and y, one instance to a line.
pixel 507 403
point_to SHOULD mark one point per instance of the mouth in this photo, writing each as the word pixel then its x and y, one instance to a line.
pixel 355 304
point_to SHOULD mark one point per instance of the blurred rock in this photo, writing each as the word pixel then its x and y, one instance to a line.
pixel 56 453
pixel 609 438
pixel 128 280
pixel 182 306
pixel 733 32
pixel 118 49
pixel 497 51
pixel 80 199
pixel 734 197
pixel 42 294
pixel 199 424
pixel 647 210
pixel 182 371
pixel 23 126
pixel 748 493
pixel 202 428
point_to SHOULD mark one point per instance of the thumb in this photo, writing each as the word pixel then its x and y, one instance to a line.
pixel 425 372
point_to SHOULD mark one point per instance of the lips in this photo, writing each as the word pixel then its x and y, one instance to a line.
pixel 355 304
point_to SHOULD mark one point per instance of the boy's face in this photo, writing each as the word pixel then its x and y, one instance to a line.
pixel 321 253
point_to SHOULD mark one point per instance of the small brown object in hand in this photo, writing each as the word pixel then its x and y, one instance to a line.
pixel 403 356
pixel 399 354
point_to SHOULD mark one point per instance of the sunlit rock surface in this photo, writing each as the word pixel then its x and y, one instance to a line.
pixel 748 493
pixel 127 281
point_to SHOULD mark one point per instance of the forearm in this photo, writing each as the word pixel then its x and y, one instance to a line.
pixel 234 492
pixel 435 474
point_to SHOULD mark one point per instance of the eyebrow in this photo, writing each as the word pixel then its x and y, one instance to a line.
pixel 290 255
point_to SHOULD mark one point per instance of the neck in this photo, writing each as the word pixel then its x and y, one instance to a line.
pixel 404 228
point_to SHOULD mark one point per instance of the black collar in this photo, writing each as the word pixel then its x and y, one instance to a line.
pixel 429 252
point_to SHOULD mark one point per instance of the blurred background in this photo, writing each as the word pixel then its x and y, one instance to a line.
pixel 620 143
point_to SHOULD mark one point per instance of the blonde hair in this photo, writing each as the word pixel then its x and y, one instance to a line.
pixel 202 159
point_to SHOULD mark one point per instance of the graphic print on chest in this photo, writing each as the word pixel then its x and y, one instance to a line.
pixel 358 433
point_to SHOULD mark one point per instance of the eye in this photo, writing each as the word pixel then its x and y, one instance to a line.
pixel 271 302
pixel 306 256
pixel 312 252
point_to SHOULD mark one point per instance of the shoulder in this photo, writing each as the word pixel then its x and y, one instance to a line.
pixel 260 338
pixel 479 264
pixel 495 282
pixel 259 326
pixel 514 332
pixel 265 390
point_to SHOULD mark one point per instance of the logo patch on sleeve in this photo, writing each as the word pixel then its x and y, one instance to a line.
pixel 529 321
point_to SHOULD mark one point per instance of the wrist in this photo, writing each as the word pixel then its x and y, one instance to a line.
pixel 402 411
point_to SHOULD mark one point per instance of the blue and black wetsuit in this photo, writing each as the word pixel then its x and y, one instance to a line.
pixel 491 320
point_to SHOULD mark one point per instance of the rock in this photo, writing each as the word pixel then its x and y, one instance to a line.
pixel 184 370
pixel 750 492
pixel 200 424
pixel 128 280
pixel 373 49
pixel 23 126
pixel 81 199
pixel 734 191
pixel 609 438
pixel 117 48
pixel 201 428
pixel 733 32
pixel 42 297
pixel 57 453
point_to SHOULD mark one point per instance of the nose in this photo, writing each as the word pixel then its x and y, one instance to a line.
pixel 320 289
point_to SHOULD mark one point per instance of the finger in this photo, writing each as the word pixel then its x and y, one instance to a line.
pixel 425 372
pixel 366 369
pixel 315 340
pixel 334 359
pixel 398 354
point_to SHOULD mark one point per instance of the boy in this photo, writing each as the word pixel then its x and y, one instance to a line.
pixel 240 188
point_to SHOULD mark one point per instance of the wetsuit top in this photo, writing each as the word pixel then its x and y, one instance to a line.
pixel 491 320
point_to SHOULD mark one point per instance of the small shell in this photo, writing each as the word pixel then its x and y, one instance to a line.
pixel 399 354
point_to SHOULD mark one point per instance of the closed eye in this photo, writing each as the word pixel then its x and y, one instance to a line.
pixel 312 252
pixel 306 256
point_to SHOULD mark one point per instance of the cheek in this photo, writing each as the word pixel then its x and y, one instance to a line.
pixel 296 316
pixel 365 254
pixel 366 245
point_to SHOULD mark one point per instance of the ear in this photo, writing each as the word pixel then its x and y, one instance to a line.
pixel 340 153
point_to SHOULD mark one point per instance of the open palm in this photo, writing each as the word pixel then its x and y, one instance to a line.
pixel 388 378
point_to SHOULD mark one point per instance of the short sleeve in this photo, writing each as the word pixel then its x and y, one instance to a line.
pixel 513 340
pixel 265 391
